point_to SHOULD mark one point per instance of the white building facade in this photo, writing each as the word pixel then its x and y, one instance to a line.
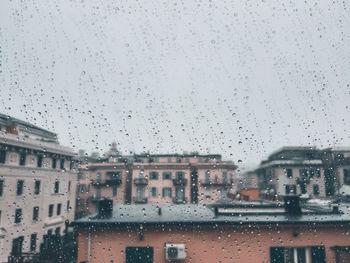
pixel 37 186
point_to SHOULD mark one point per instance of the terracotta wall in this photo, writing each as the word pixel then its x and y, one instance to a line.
pixel 251 194
pixel 247 243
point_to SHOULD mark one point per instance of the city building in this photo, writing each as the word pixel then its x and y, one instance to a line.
pixel 246 232
pixel 292 170
pixel 337 170
pixel 308 171
pixel 247 187
pixel 37 186
pixel 154 179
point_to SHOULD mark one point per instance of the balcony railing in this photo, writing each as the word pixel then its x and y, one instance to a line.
pixel 177 200
pixel 215 183
pixel 140 200
pixel 141 181
pixel 24 258
pixel 108 182
pixel 180 181
pixel 94 198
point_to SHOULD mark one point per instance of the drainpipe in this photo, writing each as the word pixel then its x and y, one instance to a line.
pixel 89 246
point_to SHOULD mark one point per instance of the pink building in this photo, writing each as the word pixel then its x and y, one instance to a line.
pixel 154 179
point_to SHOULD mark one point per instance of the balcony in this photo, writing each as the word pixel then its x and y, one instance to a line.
pixel 94 198
pixel 180 181
pixel 106 183
pixel 24 258
pixel 141 181
pixel 177 200
pixel 215 183
pixel 140 200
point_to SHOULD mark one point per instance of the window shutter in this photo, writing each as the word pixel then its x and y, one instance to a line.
pixel 277 254
pixel 318 254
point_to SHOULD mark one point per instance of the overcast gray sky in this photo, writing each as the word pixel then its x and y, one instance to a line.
pixel 240 78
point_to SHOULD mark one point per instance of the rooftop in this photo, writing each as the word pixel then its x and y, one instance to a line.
pixel 10 119
pixel 241 213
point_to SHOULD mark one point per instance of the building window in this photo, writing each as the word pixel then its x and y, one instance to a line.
pixel 69 186
pixel 37 187
pixel 2 156
pixel 35 213
pixel 207 177
pixel 180 176
pixel 33 238
pixel 303 173
pixel 17 244
pixel 18 215
pixel 54 163
pixel 20 184
pixel 153 192
pixel 57 231
pixel 62 164
pixel 140 193
pixel 1 187
pixel 0 217
pixel 98 193
pixel 224 177
pixel 167 192
pixel 316 189
pixel 297 254
pixel 99 178
pixel 166 175
pixel 207 193
pixel 180 194
pixel 59 208
pixel 346 176
pixel 178 160
pixel 50 210
pixel 68 205
pixel 57 187
pixel 40 161
pixel 289 173
pixel 318 172
pixel 291 189
pixel 169 159
pixel 22 159
pixel 153 175
pixel 114 190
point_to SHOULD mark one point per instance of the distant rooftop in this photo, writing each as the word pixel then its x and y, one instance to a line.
pixel 20 133
pixel 13 120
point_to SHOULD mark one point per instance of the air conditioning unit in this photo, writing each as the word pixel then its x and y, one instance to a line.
pixel 175 251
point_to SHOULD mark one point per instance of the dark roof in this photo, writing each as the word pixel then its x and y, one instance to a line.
pixel 249 213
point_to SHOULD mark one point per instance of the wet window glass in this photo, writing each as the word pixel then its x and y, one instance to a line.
pixel 174 131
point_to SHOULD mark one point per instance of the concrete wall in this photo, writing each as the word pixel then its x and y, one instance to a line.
pixel 211 244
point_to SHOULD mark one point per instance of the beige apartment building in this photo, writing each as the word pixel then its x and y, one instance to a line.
pixel 292 170
pixel 154 179
pixel 306 171
pixel 37 186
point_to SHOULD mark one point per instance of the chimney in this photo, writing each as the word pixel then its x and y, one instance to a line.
pixel 335 209
pixel 216 211
pixel 292 205
pixel 105 208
